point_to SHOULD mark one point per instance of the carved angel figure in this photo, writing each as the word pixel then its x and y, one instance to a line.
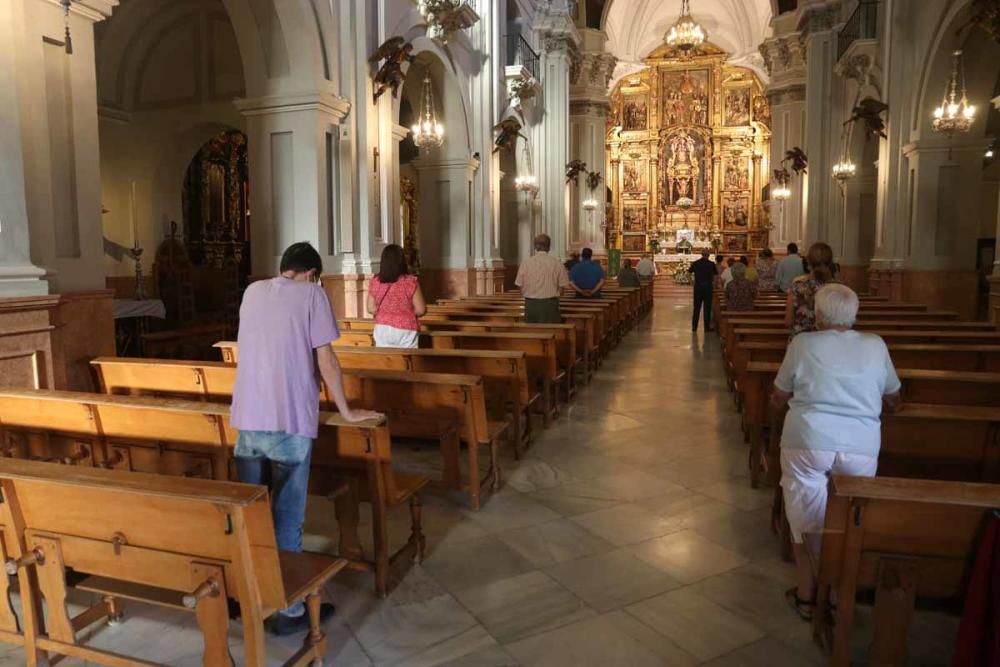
pixel 395 51
pixel 798 159
pixel 574 168
pixel 510 130
pixel 870 112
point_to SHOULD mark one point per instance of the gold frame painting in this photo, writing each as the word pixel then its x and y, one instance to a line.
pixel 686 97
pixel 635 176
pixel 635 217
pixel 635 119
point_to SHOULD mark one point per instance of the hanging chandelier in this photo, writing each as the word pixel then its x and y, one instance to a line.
pixel 427 132
pixel 526 182
pixel 955 113
pixel 844 170
pixel 685 34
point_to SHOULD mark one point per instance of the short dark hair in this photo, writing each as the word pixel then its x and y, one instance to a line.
pixel 628 264
pixel 392 264
pixel 586 253
pixel 744 260
pixel 301 258
pixel 719 259
pixel 793 248
pixel 543 243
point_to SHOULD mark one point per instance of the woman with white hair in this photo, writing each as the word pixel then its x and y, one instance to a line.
pixel 836 383
pixel 740 292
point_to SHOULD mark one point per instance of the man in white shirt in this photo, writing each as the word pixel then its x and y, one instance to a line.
pixel 727 274
pixel 646 268
pixel 836 383
pixel 541 278
pixel 789 268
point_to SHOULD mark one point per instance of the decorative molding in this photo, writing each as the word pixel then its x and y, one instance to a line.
pixel 786 95
pixel 445 17
pixel 327 103
pixel 521 86
pixel 94 10
pixel 819 18
pixel 589 108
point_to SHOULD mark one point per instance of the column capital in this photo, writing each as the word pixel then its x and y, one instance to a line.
pixel 93 10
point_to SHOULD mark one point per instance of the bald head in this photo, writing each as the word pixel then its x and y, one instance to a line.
pixel 543 243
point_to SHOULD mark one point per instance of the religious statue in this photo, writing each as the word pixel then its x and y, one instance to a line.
pixel 510 130
pixel 394 51
pixel 685 97
pixel 683 170
pixel 737 107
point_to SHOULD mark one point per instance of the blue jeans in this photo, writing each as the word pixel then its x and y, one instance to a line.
pixel 281 462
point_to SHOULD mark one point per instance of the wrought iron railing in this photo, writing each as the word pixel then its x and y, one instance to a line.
pixel 863 24
pixel 519 52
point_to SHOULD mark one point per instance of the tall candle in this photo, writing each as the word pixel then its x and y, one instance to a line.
pixel 133 223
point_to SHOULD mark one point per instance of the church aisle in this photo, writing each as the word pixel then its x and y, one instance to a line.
pixel 628 535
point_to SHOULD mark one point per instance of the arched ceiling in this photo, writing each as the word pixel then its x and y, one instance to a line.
pixel 636 27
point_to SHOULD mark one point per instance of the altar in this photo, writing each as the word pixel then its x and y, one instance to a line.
pixel 676 265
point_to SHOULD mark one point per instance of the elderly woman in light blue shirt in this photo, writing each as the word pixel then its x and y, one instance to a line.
pixel 836 383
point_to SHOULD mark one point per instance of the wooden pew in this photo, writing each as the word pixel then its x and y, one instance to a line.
pixel 539 349
pixel 927 335
pixel 193 439
pixel 435 406
pixel 902 538
pixel 179 543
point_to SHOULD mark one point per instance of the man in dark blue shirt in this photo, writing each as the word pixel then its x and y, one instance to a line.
pixel 587 277
pixel 704 277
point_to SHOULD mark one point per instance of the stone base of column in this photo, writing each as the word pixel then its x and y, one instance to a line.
pixel 22 280
pixel 856 277
pixel 993 312
pixel 348 293
pixel 956 291
pixel 490 280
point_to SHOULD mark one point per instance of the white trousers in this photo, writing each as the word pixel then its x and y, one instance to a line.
pixel 386 336
pixel 804 477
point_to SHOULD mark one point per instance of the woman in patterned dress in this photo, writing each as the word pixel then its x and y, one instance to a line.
pixel 767 272
pixel 800 310
pixel 740 292
pixel 394 297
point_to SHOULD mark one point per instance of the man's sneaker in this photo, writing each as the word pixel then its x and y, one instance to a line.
pixel 281 625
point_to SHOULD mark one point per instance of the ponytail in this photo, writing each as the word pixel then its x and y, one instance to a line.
pixel 820 258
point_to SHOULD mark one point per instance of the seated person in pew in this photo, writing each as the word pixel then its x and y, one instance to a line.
pixel 286 327
pixel 587 277
pixel 395 299
pixel 541 278
pixel 628 277
pixel 740 292
pixel 836 383
pixel 800 312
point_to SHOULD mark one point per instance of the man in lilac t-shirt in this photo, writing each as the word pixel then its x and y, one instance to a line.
pixel 286 327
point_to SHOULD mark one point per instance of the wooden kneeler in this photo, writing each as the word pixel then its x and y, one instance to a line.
pixel 180 543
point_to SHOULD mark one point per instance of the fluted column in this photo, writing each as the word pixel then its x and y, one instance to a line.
pixel 589 107
pixel 559 40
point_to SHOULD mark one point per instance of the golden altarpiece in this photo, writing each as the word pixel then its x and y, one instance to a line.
pixel 688 145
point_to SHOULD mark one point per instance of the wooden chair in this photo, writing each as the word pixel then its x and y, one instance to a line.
pixel 180 543
pixel 902 538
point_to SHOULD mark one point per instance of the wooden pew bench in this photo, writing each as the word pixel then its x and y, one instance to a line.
pixel 902 538
pixel 180 543
pixel 193 439
pixel 540 350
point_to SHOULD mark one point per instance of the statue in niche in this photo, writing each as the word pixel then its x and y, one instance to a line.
pixel 685 97
pixel 761 110
pixel 685 153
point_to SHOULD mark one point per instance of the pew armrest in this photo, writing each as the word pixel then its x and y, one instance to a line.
pixel 305 572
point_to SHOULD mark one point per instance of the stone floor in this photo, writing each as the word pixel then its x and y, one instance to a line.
pixel 628 535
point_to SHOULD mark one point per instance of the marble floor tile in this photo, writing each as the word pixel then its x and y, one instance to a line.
pixel 739 493
pixel 595 642
pixel 626 524
pixel 571 500
pixel 766 652
pixel 669 652
pixel 509 509
pixel 474 647
pixel 612 580
pixel 695 623
pixel 687 556
pixel 554 542
pixel 475 563
pixel 511 609
pixel 533 474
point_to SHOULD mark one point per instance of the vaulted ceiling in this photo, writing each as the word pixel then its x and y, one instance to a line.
pixel 636 27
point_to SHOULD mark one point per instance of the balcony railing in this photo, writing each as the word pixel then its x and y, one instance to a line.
pixel 519 52
pixel 863 24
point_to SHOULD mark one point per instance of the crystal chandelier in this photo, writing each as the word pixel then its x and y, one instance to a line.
pixel 685 34
pixel 526 181
pixel 781 193
pixel 589 204
pixel 844 170
pixel 955 113
pixel 428 132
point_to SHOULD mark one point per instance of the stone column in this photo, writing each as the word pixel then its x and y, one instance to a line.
pixel 559 39
pixel 588 108
pixel 18 276
pixel 784 57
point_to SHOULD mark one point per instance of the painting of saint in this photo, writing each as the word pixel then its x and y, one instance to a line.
pixel 735 176
pixel 635 176
pixel 734 243
pixel 737 106
pixel 685 97
pixel 634 218
pixel 735 211
pixel 684 171
pixel 634 243
pixel 634 113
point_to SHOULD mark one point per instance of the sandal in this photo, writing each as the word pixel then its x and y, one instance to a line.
pixel 804 608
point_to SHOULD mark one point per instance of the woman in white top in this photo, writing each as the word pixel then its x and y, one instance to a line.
pixel 836 383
